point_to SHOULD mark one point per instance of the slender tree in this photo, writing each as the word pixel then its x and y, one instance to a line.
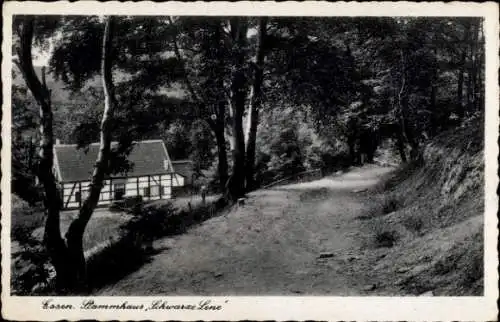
pixel 75 232
pixel 209 95
pixel 55 245
pixel 67 256
pixel 255 103
pixel 238 96
pixel 460 85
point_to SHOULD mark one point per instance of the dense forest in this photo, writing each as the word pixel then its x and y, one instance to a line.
pixel 250 100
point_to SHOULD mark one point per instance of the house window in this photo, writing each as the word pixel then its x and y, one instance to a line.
pixel 147 192
pixel 78 196
pixel 155 191
pixel 119 191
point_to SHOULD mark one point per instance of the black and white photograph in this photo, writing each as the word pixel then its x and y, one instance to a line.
pixel 167 162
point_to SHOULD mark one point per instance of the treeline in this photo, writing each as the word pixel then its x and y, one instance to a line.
pixel 255 98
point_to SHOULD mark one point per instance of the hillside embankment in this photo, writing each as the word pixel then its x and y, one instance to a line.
pixel 428 230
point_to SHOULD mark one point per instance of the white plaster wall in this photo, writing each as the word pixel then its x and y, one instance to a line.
pixel 107 191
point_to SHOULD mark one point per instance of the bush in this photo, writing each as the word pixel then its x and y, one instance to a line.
pixel 23 185
pixel 150 221
pixel 127 204
pixel 414 224
pixel 390 204
pixel 382 206
pixel 25 219
pixel 32 273
pixel 115 261
pixel 386 238
pixel 332 162
pixel 403 173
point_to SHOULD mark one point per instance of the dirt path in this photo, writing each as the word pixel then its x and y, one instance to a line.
pixel 269 246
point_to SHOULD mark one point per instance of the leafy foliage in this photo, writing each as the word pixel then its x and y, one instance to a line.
pixel 357 79
pixel 24 145
pixel 326 92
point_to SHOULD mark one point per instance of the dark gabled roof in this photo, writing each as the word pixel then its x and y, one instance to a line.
pixel 147 158
pixel 184 168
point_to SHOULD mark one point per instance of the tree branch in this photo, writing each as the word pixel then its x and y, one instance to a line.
pixel 101 167
pixel 403 81
pixel 25 64
pixel 179 57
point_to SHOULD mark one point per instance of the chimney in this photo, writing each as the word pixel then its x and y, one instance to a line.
pixel 58 142
pixel 165 165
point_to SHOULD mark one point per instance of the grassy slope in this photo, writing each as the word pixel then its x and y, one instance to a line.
pixel 102 227
pixel 437 223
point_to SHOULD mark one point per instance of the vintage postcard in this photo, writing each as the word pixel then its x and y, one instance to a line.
pixel 250 161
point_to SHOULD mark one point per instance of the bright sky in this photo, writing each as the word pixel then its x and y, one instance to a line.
pixel 41 58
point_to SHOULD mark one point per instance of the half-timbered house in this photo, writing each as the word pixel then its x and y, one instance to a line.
pixel 152 176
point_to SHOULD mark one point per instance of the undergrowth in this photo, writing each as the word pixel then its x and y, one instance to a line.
pixel 148 224
pixel 34 275
pixel 403 173
pixel 382 205
pixel 387 238
pixel 31 273
pixel 391 203
pixel 414 224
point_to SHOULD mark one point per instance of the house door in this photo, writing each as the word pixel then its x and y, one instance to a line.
pixel 119 191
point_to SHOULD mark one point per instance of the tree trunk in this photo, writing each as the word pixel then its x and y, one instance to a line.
pixel 74 237
pixel 470 92
pixel 255 105
pixel 479 66
pixel 236 183
pixel 220 122
pixel 473 68
pixel 402 139
pixel 405 136
pixel 413 142
pixel 250 148
pixel 401 147
pixel 433 105
pixel 433 121
pixel 479 85
pixel 222 165
pixel 53 241
pixel 351 142
pixel 469 50
pixel 460 88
